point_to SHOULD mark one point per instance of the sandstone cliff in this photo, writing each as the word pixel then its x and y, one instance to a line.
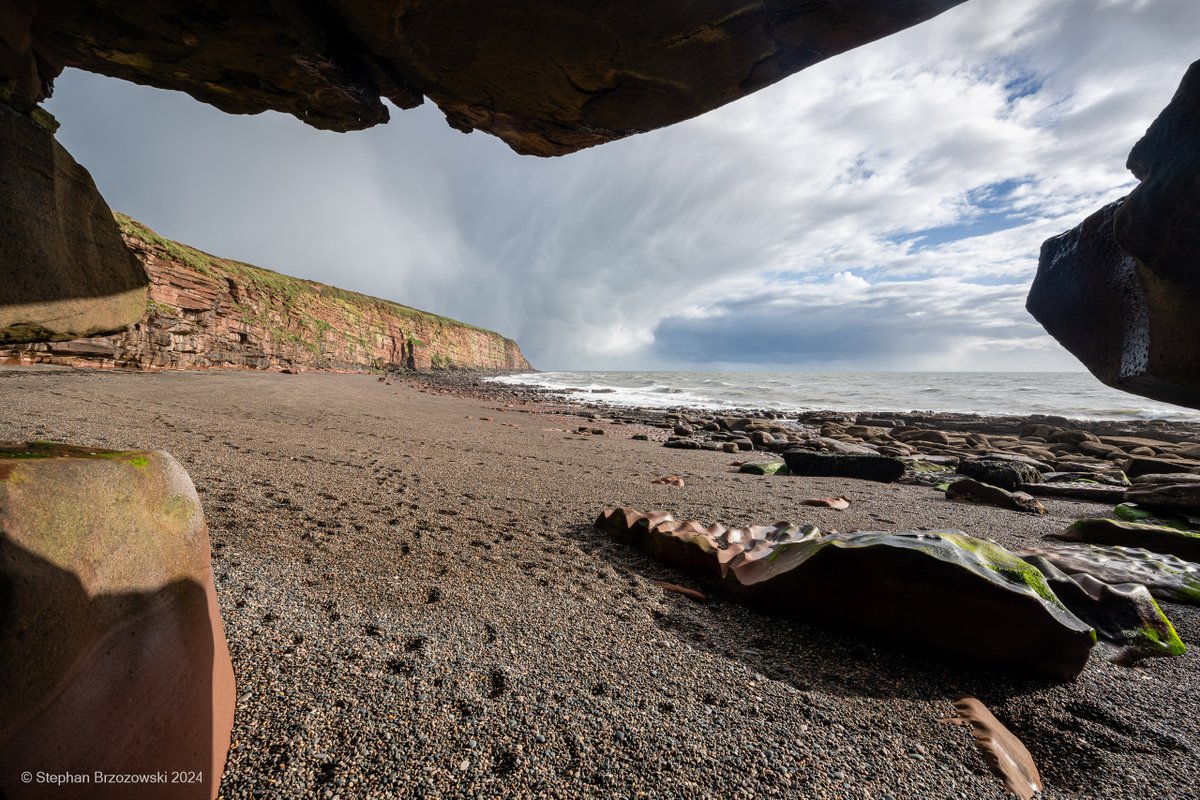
pixel 208 312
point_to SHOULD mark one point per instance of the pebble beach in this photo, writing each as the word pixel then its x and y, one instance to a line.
pixel 418 606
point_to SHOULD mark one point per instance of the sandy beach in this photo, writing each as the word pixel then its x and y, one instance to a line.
pixel 417 606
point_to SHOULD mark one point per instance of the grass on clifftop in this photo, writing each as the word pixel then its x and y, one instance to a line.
pixel 265 280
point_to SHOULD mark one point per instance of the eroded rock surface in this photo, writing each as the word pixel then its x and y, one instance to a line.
pixel 1120 291
pixel 64 272
pixel 1125 616
pixel 547 77
pixel 942 591
pixel 111 643
pixel 1156 538
pixel 1167 577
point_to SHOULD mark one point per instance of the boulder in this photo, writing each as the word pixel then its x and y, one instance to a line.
pixel 1178 496
pixel 1167 577
pixel 1124 615
pixel 1120 290
pixel 1155 538
pixel 870 467
pixel 111 643
pixel 1005 473
pixel 66 273
pixel 938 592
pixel 969 490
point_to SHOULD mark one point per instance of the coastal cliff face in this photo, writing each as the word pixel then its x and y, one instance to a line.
pixel 207 312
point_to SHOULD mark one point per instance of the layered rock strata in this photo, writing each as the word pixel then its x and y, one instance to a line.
pixel 942 591
pixel 111 643
pixel 208 312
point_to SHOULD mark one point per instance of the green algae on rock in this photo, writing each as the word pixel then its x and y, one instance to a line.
pixel 1167 577
pixel 942 592
pixel 1130 625
pixel 1155 538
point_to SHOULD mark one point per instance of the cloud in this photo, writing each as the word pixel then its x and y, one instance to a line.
pixel 896 195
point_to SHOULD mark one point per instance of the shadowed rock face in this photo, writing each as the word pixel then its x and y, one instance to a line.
pixel 1122 290
pixel 64 271
pixel 937 591
pixel 111 643
pixel 547 76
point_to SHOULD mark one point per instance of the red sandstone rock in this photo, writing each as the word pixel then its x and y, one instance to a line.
pixel 207 312
pixel 111 645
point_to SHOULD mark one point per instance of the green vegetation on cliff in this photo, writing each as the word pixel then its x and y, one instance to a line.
pixel 291 289
pixel 205 311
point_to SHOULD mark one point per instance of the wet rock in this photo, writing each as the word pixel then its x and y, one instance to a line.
pixel 1167 577
pixel 870 467
pixel 1124 615
pixel 939 591
pixel 1004 473
pixel 969 490
pixel 1155 538
pixel 1132 512
pixel 111 642
pixel 682 444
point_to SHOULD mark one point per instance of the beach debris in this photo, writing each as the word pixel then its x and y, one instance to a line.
pixel 764 468
pixel 669 480
pixel 1155 538
pixel 1008 758
pixel 1004 473
pixel 941 591
pixel 969 490
pixel 839 503
pixel 1167 577
pixel 865 466
pixel 691 594
pixel 1127 620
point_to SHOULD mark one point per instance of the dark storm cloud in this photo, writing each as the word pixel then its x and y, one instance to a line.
pixel 881 165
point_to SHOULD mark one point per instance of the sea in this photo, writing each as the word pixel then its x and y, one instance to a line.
pixel 1076 395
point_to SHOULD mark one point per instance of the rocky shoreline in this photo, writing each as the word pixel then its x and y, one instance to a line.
pixel 417 603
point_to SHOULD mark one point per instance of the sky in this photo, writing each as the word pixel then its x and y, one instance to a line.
pixel 882 210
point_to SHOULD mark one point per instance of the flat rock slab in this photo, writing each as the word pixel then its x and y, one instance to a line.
pixel 1075 491
pixel 1178 496
pixel 933 591
pixel 1167 577
pixel 1155 538
pixel 870 467
pixel 111 643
